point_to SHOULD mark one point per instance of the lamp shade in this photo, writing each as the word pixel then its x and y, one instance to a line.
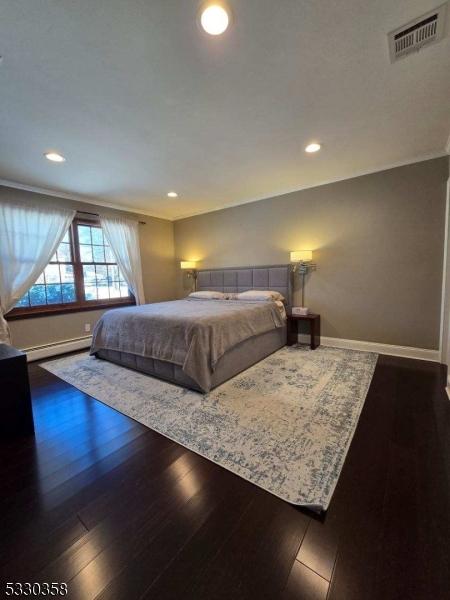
pixel 301 256
pixel 187 264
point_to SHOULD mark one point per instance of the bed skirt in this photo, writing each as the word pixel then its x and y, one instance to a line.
pixel 239 358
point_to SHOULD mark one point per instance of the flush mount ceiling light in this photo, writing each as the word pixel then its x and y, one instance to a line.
pixel 314 147
pixel 214 19
pixel 172 195
pixel 54 157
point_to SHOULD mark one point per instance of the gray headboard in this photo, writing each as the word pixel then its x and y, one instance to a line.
pixel 241 279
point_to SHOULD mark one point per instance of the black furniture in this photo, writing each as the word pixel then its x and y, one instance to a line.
pixel 15 398
pixel 314 328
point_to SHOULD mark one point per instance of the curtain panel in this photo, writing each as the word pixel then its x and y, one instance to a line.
pixel 29 237
pixel 123 237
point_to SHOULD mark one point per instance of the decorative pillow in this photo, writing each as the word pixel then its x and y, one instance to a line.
pixel 260 295
pixel 207 295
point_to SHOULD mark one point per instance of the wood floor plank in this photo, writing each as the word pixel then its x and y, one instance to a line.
pixel 116 535
pixel 257 558
pixel 113 508
pixel 42 515
pixel 357 504
pixel 305 584
pixel 128 568
pixel 66 461
pixel 190 565
pixel 122 512
pixel 416 510
pixel 319 549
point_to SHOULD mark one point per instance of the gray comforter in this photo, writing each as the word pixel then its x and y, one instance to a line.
pixel 192 333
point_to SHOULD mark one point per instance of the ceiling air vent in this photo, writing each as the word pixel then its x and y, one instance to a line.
pixel 416 34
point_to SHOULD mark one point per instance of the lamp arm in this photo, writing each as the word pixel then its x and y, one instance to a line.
pixel 303 268
pixel 193 274
pixel 303 288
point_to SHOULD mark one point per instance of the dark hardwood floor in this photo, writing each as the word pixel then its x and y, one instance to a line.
pixel 118 511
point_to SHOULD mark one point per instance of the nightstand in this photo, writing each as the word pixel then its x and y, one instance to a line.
pixel 314 328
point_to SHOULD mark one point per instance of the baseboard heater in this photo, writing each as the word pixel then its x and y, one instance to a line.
pixel 40 352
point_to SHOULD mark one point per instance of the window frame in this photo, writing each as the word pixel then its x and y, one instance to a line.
pixel 79 305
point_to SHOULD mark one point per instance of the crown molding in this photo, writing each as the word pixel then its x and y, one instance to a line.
pixel 79 198
pixel 131 209
pixel 386 167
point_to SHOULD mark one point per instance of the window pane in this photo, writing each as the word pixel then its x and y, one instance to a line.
pixel 124 291
pixel 109 255
pixel 113 273
pixel 52 274
pixel 37 295
pixel 114 290
pixel 68 292
pixel 89 274
pixel 102 272
pixel 97 235
pixel 63 253
pixel 90 292
pixel 84 234
pixel 40 279
pixel 99 253
pixel 103 290
pixel 66 238
pixel 86 253
pixel 54 295
pixel 67 275
pixel 23 301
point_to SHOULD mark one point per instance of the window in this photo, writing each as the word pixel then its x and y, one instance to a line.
pixel 82 274
pixel 102 279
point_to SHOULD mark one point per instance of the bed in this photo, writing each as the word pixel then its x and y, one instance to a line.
pixel 198 343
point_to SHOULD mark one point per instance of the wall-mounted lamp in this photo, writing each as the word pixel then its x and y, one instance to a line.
pixel 302 262
pixel 190 267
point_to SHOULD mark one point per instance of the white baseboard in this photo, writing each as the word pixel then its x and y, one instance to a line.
pixel 40 352
pixel 391 350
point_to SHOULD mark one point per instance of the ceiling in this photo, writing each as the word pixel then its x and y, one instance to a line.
pixel 140 101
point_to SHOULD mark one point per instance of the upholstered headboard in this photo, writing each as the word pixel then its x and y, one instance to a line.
pixel 241 279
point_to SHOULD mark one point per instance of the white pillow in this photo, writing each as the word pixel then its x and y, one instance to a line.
pixel 260 295
pixel 207 295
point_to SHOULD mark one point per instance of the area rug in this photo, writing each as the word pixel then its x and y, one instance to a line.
pixel 284 424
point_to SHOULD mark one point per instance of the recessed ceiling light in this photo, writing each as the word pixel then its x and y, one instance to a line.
pixel 214 19
pixel 54 157
pixel 312 148
pixel 172 195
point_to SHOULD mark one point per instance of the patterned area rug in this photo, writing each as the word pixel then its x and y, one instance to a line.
pixel 285 424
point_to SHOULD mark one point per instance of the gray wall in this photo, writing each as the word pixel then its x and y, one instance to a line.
pixel 157 255
pixel 378 241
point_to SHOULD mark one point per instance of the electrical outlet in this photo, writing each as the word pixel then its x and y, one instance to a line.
pixel 87 327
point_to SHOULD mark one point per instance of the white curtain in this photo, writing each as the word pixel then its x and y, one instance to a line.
pixel 29 236
pixel 123 237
